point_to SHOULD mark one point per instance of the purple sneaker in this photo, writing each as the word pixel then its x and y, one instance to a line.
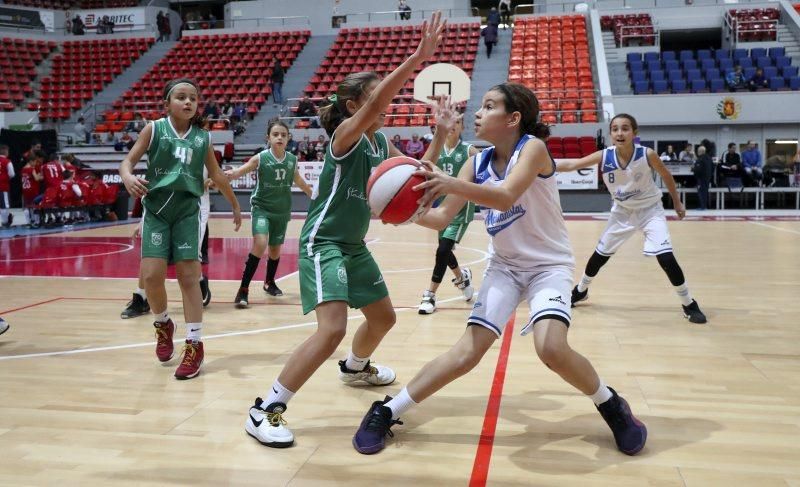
pixel 629 433
pixel 371 435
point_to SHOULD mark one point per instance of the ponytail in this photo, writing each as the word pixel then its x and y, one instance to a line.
pixel 519 98
pixel 331 115
pixel 335 111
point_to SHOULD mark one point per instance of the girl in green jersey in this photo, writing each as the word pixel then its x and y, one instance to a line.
pixel 177 149
pixel 270 206
pixel 336 268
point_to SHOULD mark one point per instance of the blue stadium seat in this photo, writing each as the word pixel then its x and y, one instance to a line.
pixel 693 74
pixel 739 53
pixel 636 66
pixel 675 75
pixel 789 72
pixel 744 62
pixel 660 87
pixel 679 86
pixel 712 73
pixel 794 83
pixel 722 54
pixel 638 76
pixel 749 72
pixel 686 55
pixel 689 64
pixel 651 56
pixel 699 85
pixel 770 72
pixel 671 65
pixel 653 64
pixel 775 52
pixel 758 52
pixel 704 54
pixel 708 63
pixel 634 56
pixel 642 88
pixel 725 64
pixel 783 61
pixel 657 75
pixel 668 56
pixel 776 83
pixel 763 61
pixel 717 85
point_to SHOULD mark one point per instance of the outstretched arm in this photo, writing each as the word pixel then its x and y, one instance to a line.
pixel 567 165
pixel 446 118
pixel 438 218
pixel 245 168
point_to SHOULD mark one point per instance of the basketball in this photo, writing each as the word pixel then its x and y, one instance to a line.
pixel 390 190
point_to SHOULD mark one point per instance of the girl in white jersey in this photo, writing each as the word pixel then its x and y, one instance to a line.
pixel 531 260
pixel 627 170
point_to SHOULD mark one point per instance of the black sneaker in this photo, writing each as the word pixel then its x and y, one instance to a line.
pixel 137 306
pixel 271 289
pixel 376 425
pixel 241 299
pixel 578 296
pixel 629 433
pixel 205 290
pixel 10 220
pixel 693 313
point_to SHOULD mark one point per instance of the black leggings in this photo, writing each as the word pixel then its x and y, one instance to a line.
pixel 666 261
pixel 444 258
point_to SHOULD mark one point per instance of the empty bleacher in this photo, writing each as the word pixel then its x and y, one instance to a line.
pixel 704 70
pixel 551 56
pixel 82 70
pixel 18 61
pixel 571 147
pixel 382 49
pixel 630 29
pixel 754 24
pixel 69 4
pixel 236 67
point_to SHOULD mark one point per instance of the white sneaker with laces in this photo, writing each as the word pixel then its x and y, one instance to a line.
pixel 267 425
pixel 428 303
pixel 373 374
pixel 4 326
pixel 465 284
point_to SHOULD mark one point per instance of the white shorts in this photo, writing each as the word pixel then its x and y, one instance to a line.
pixel 547 293
pixel 623 223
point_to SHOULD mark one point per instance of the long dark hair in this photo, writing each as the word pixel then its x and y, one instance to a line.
pixel 351 88
pixel 198 120
pixel 519 98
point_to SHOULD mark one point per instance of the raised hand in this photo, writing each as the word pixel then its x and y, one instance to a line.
pixel 445 113
pixel 432 33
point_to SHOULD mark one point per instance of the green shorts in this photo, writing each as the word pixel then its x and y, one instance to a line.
pixel 171 227
pixel 331 275
pixel 266 223
pixel 454 231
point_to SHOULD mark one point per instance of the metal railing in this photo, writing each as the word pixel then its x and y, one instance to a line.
pixel 735 29
pixel 626 32
pixel 549 8
pixel 118 29
pixel 410 14
pixel 271 21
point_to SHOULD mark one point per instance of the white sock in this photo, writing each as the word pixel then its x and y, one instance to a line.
pixel 683 293
pixel 194 331
pixel 400 404
pixel 584 284
pixel 602 395
pixel 277 393
pixel 356 363
pixel 141 292
pixel 162 317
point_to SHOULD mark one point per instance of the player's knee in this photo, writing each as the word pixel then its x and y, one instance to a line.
pixel 332 337
pixel 385 321
pixel 187 274
pixel 465 362
pixel 552 353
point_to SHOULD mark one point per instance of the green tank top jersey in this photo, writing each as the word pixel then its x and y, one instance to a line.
pixel 339 212
pixel 273 191
pixel 176 163
pixel 451 163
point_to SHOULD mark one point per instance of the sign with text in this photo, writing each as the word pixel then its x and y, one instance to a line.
pixel 580 179
pixel 125 19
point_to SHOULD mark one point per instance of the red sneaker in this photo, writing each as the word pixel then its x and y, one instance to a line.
pixel 164 346
pixel 192 360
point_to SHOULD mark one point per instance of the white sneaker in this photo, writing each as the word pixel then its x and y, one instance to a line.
pixel 373 374
pixel 267 426
pixel 465 284
pixel 4 326
pixel 428 303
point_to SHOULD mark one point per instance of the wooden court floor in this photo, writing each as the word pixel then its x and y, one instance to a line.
pixel 83 400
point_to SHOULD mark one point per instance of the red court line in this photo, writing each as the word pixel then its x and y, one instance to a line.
pixel 480 468
pixel 5 312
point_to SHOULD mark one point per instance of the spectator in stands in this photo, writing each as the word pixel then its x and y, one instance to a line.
pixel 78 28
pixel 758 81
pixel 306 108
pixel 493 18
pixel 291 145
pixel 276 80
pixel 238 125
pixel 405 10
pixel 730 164
pixel 137 124
pixel 321 145
pixel 73 163
pixel 97 139
pixel 669 155
pixel 703 169
pixel 504 6
pixel 6 175
pixel 711 147
pixel 160 26
pixel 751 161
pixel 105 25
pixel 240 110
pixel 414 147
pixel 302 148
pixel 81 135
pixel 489 34
pixel 212 20
pixel 398 143
pixel 319 156
pixel 735 79
pixel 687 155
pixel 211 110
pixel 796 167
pixel 167 28
pixel 226 109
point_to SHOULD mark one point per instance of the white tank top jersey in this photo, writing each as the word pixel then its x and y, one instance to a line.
pixel 532 234
pixel 632 187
